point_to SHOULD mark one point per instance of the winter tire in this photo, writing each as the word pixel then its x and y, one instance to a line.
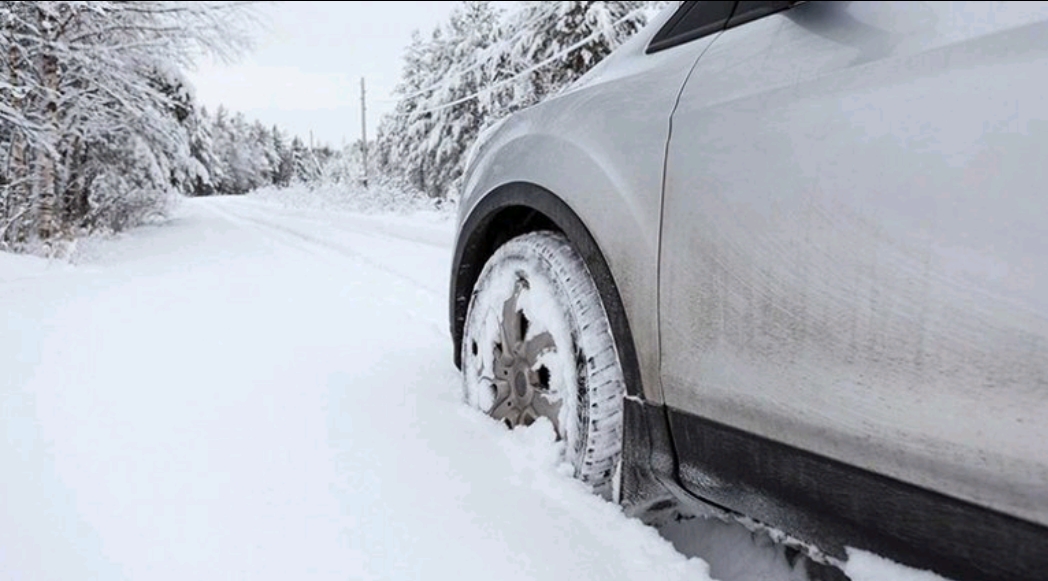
pixel 537 344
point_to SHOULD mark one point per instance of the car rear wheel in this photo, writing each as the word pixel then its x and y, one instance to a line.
pixel 537 344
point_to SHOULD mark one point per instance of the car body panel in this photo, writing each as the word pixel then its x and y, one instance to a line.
pixel 572 146
pixel 853 257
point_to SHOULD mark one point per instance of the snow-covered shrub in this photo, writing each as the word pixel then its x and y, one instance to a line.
pixel 381 196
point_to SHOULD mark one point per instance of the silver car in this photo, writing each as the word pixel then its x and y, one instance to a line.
pixel 785 262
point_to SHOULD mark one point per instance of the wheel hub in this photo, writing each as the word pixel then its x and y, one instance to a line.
pixel 521 384
pixel 521 397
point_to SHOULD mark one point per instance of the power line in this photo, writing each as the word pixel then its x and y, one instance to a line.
pixel 528 70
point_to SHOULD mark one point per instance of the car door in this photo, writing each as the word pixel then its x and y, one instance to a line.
pixel 854 256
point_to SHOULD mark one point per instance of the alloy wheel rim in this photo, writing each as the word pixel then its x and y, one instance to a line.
pixel 521 383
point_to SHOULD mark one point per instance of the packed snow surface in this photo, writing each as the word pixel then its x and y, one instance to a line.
pixel 863 566
pixel 248 391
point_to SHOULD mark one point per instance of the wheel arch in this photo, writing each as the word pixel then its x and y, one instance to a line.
pixel 518 208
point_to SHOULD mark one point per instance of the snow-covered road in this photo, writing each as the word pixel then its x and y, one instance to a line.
pixel 246 392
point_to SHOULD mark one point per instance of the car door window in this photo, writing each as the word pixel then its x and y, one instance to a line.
pixel 691 21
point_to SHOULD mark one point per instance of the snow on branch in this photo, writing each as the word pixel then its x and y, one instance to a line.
pixel 96 120
pixel 485 64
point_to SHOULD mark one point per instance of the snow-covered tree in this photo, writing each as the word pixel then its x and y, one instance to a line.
pixel 94 110
pixel 245 153
pixel 285 164
pixel 566 38
pixel 265 147
pixel 99 128
pixel 304 162
pixel 394 154
pixel 429 132
pixel 205 166
pixel 483 65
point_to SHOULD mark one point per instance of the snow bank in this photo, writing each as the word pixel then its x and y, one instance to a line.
pixel 376 199
pixel 735 553
pixel 18 266
pixel 863 566
pixel 330 219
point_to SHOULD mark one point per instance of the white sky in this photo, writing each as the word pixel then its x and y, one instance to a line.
pixel 304 73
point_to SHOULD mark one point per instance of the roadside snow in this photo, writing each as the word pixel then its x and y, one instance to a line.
pixel 734 552
pixel 378 199
pixel 241 394
pixel 863 566
pixel 16 266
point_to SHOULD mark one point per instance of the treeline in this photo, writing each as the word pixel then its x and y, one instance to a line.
pixel 99 129
pixel 97 122
pixel 484 64
pixel 481 65
pixel 240 155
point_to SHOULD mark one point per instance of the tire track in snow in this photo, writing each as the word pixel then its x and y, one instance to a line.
pixel 430 235
pixel 327 245
pixel 319 247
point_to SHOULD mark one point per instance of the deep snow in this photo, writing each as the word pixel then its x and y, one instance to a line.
pixel 250 391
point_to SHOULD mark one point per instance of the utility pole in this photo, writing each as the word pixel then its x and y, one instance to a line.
pixel 364 129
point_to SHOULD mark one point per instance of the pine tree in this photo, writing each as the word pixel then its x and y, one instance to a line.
pixel 303 162
pixel 285 165
pixel 482 66
pixel 426 139
pixel 263 154
pixel 224 144
pixel 205 169
pixel 395 155
pixel 543 32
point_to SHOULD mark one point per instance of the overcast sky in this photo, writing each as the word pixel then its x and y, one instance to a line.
pixel 304 73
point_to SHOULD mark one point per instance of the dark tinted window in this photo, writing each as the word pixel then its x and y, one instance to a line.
pixel 692 20
pixel 748 11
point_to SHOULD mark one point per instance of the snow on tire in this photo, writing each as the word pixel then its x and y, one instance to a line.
pixel 537 344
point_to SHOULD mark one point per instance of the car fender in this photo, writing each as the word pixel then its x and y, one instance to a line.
pixel 531 170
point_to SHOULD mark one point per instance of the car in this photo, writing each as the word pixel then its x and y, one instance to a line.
pixel 784 262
